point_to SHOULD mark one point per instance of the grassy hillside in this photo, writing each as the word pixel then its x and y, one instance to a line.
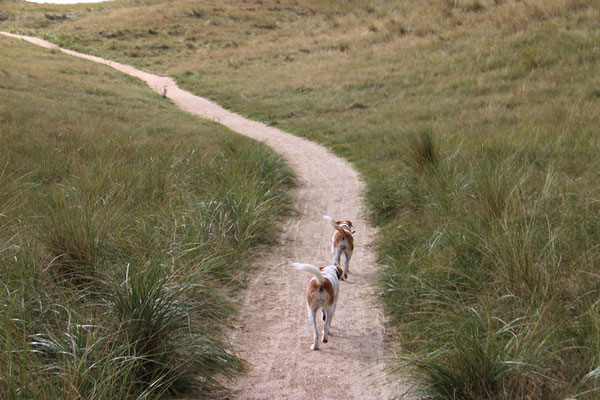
pixel 475 124
pixel 124 228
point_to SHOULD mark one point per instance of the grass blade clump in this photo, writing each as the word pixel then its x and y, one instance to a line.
pixel 75 234
pixel 160 323
pixel 483 358
pixel 423 151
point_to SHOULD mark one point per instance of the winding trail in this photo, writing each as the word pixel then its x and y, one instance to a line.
pixel 271 330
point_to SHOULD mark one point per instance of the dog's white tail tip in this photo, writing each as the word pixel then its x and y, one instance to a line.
pixel 314 270
pixel 302 266
pixel 332 222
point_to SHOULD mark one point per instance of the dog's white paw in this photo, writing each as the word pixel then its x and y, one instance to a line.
pixel 314 347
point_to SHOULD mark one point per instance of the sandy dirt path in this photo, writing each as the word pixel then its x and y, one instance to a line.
pixel 271 330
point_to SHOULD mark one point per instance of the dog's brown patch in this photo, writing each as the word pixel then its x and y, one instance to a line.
pixel 328 287
pixel 314 288
pixel 338 236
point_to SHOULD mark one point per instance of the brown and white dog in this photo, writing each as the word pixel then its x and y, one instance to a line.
pixel 342 242
pixel 322 293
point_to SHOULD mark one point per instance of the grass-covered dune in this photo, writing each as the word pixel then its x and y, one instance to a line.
pixel 476 126
pixel 125 227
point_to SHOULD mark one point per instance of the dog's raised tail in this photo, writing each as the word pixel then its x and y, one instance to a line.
pixel 333 223
pixel 310 269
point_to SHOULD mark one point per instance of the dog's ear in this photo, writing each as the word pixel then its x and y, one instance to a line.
pixel 339 271
pixel 338 222
pixel 350 226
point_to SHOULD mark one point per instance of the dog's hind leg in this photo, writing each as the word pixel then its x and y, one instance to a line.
pixel 311 318
pixel 329 315
pixel 336 254
pixel 348 255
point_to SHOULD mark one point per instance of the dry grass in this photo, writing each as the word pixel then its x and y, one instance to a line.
pixel 501 234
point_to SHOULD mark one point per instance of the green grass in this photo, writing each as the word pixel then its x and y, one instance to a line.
pixel 125 232
pixel 475 125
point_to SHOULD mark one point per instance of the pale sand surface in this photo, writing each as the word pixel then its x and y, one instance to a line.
pixel 271 329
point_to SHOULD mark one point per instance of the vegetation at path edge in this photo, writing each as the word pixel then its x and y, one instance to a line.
pixel 126 227
pixel 474 123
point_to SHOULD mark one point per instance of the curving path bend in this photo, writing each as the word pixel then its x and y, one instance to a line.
pixel 271 330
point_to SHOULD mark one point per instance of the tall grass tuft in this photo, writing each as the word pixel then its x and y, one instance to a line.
pixel 423 150
pixel 76 235
pixel 160 321
pixel 484 357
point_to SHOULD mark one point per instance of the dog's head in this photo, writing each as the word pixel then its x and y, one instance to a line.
pixel 339 271
pixel 348 223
